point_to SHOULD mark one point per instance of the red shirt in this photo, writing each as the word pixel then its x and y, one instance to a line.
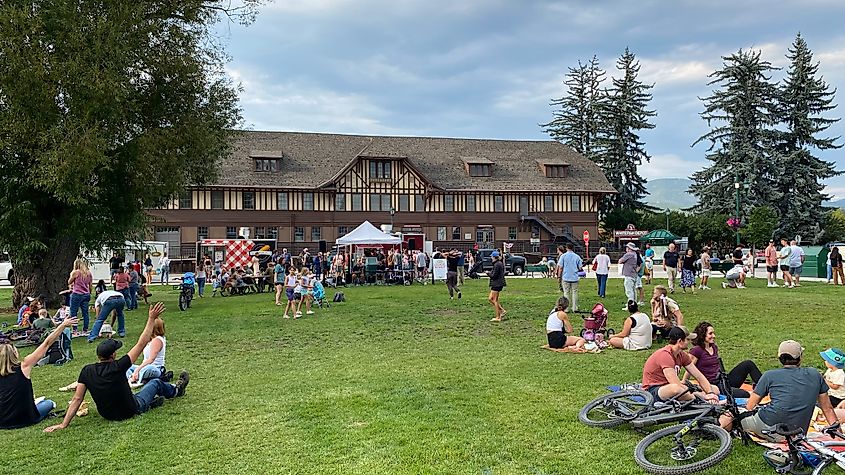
pixel 660 360
pixel 121 281
pixel 137 267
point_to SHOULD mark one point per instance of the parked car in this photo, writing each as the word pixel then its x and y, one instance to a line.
pixel 513 264
pixel 6 270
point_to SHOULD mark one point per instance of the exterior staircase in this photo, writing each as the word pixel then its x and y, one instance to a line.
pixel 561 233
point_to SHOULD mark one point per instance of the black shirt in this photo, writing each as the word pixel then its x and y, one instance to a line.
pixel 452 263
pixel 17 405
pixel 110 389
pixel 737 256
pixel 689 263
pixel 115 263
pixel 670 259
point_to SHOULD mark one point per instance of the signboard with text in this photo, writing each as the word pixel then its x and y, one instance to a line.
pixel 630 232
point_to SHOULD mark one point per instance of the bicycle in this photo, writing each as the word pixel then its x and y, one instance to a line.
pixel 186 294
pixel 636 407
pixel 804 453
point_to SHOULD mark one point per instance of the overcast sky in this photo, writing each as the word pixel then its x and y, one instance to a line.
pixel 488 68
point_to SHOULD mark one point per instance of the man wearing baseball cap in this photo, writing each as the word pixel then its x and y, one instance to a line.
pixel 108 384
pixel 794 392
pixel 660 372
pixel 630 271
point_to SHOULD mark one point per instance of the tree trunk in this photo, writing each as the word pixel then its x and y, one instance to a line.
pixel 44 276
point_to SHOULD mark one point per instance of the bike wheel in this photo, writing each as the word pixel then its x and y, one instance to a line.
pixel 616 408
pixel 699 448
pixel 183 302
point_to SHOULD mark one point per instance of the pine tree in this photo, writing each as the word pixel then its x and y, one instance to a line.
pixel 575 120
pixel 804 97
pixel 620 151
pixel 742 114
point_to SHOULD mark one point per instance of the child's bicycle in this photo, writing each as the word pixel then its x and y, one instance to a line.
pixel 186 289
pixel 806 456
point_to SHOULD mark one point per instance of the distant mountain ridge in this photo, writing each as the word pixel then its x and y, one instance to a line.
pixel 670 193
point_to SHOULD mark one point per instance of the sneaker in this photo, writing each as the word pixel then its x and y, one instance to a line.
pixel 740 286
pixel 459 295
pixel 166 377
pixel 135 385
pixel 286 316
pixel 724 285
pixel 310 312
pixel 157 401
pixel 184 378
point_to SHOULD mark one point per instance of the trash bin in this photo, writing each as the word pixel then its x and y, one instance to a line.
pixel 815 261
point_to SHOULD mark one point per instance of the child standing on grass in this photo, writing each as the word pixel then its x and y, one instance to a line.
pixel 290 285
pixel 834 359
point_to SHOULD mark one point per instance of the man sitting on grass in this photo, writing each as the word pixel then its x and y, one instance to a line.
pixel 660 372
pixel 109 388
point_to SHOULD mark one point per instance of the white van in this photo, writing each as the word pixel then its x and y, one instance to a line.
pixel 98 261
pixel 6 271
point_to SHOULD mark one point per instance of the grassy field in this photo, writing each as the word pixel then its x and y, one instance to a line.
pixel 397 380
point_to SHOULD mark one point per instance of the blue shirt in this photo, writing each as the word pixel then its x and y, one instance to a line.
pixel 571 264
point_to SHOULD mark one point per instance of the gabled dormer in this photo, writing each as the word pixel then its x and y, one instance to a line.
pixel 551 168
pixel 267 161
pixel 478 166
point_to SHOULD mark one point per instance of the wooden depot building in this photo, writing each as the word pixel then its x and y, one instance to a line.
pixel 303 188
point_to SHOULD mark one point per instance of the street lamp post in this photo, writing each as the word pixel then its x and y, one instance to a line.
pixel 392 212
pixel 667 218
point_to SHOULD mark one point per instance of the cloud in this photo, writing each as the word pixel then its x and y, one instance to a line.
pixel 668 165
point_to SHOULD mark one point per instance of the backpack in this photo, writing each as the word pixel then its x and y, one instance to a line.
pixel 60 351
pixel 339 297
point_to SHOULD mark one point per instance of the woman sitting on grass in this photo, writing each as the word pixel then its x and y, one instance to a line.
pixel 153 365
pixel 17 404
pixel 665 312
pixel 636 331
pixel 557 326
pixel 705 357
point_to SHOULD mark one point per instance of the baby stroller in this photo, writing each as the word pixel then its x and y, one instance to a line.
pixel 595 324
pixel 318 293
pixel 476 268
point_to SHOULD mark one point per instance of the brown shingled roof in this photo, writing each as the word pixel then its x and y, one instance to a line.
pixel 312 160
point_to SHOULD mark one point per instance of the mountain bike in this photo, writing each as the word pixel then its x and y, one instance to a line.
pixel 806 456
pixel 186 294
pixel 637 408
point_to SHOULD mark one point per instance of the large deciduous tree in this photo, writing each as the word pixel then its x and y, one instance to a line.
pixel 577 118
pixel 742 113
pixel 625 114
pixel 106 109
pixel 804 97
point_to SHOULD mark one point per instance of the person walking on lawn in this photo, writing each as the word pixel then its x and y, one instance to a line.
pixel 629 271
pixel 670 266
pixel 108 384
pixel 771 254
pixel 497 283
pixel 706 268
pixel 571 264
pixel 783 260
pixel 796 262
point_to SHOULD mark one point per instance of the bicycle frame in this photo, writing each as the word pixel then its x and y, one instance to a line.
pixel 828 456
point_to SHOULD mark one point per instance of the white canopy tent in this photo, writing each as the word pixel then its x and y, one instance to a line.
pixel 366 233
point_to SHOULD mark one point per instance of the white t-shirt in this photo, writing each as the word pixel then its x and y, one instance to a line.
pixel 159 361
pixel 640 336
pixel 836 377
pixel 602 264
pixel 105 295
pixel 554 324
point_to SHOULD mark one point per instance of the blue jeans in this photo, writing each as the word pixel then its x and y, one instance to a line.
pixel 148 372
pixel 111 304
pixel 154 388
pixel 829 272
pixel 200 285
pixel 80 302
pixel 602 279
pixel 165 275
pixel 44 407
pixel 133 296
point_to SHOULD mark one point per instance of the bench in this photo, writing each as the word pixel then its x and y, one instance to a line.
pixel 530 270
pixel 722 267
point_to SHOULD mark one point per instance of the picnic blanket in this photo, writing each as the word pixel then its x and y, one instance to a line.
pixel 741 401
pixel 813 433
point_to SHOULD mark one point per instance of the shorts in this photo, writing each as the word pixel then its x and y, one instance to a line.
pixel 655 392
pixel 771 269
pixel 420 269
pixel 497 288
pixel 297 296
pixel 639 283
pixel 796 270
pixel 757 426
pixel 557 339
pixel 705 272
pixel 659 331
pixel 784 268
pixel 149 268
pixel 289 294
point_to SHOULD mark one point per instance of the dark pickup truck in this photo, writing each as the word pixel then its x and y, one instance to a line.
pixel 513 264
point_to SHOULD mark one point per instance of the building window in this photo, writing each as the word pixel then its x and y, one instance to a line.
pixel 340 202
pixel 471 203
pixel 217 200
pixel 404 203
pixel 186 200
pixel 441 233
pixel 357 202
pixel 556 171
pixel 511 233
pixel 272 233
pixel 419 203
pixel 308 201
pixel 202 232
pixel 449 203
pixel 282 200
pixel 249 200
pixel 456 233
pixel 379 202
pixel 231 232
pixel 479 169
pixel 267 165
pixel 316 233
pixel 575 202
pixel 299 234
pixel 341 231
pixel 258 232
pixel 548 204
pixel 380 169
pixel 498 203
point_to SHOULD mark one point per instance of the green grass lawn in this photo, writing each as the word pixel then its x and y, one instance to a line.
pixel 398 380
